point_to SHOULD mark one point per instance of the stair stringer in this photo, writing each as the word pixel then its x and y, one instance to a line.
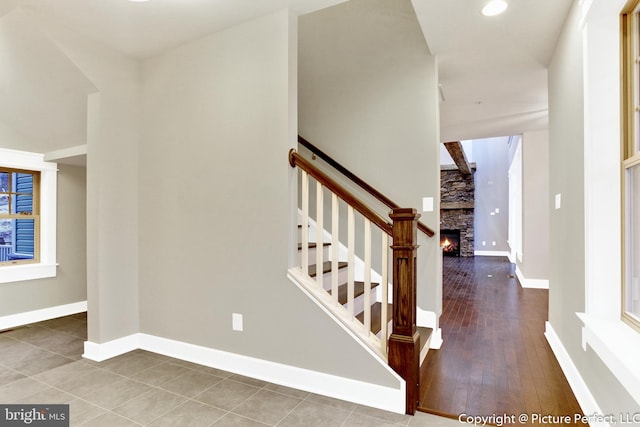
pixel 334 311
pixel 337 312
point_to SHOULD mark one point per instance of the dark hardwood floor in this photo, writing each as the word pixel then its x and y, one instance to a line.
pixel 495 358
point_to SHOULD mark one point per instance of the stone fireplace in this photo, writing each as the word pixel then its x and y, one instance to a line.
pixel 456 206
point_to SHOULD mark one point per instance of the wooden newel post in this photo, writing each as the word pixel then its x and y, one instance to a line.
pixel 404 342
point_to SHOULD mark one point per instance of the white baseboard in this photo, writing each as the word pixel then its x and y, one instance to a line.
pixel 436 339
pixel 385 398
pixel 531 283
pixel 21 319
pixel 428 319
pixel 492 253
pixel 583 395
pixel 104 351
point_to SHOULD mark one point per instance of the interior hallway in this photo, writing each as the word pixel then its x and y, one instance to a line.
pixel 495 358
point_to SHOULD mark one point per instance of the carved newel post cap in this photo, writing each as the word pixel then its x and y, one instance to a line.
pixel 404 214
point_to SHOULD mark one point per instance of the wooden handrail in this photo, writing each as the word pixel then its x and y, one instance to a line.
pixel 296 159
pixel 353 177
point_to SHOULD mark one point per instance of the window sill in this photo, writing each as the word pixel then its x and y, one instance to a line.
pixel 17 273
pixel 618 345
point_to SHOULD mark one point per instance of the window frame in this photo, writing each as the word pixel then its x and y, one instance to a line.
pixel 46 265
pixel 35 213
pixel 630 141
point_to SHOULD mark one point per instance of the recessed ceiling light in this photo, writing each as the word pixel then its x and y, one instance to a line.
pixel 494 7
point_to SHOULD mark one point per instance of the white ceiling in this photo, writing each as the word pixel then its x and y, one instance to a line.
pixel 143 29
pixel 492 70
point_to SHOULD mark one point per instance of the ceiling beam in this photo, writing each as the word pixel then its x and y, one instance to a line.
pixel 457 154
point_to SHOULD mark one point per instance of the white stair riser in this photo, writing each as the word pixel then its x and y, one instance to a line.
pixel 358 303
pixel 326 253
pixel 342 278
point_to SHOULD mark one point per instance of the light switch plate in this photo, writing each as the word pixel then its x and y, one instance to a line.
pixel 427 204
pixel 236 321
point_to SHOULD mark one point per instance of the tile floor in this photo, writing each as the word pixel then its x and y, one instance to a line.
pixel 42 363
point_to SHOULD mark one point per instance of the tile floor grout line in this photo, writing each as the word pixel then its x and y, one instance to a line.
pixel 45 349
pixel 289 413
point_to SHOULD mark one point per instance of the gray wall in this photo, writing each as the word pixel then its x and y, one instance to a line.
pixel 214 213
pixel 109 279
pixel 69 285
pixel 112 184
pixel 368 97
pixel 492 192
pixel 535 206
pixel 567 266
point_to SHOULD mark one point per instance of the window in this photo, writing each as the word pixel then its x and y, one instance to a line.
pixel 27 216
pixel 19 216
pixel 631 162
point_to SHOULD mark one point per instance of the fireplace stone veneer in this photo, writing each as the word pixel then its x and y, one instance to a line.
pixel 456 205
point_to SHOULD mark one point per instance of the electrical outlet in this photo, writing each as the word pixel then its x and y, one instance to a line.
pixel 493 243
pixel 236 322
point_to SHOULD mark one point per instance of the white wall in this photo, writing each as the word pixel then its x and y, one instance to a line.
pixel 491 213
pixel 215 186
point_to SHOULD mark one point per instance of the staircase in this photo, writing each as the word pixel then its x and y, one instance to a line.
pixel 359 290
pixel 343 287
pixel 380 310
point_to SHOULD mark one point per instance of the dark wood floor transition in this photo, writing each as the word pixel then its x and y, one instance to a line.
pixel 495 358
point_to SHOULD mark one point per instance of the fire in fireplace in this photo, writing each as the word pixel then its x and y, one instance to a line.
pixel 450 242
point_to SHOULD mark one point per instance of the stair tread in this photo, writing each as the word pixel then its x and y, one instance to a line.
pixel 425 334
pixel 313 245
pixel 326 267
pixel 358 289
pixel 376 314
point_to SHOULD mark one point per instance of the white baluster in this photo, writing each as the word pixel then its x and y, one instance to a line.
pixel 385 291
pixel 367 276
pixel 351 239
pixel 335 213
pixel 319 234
pixel 304 231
